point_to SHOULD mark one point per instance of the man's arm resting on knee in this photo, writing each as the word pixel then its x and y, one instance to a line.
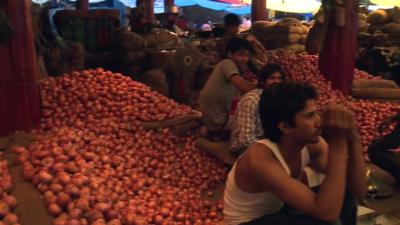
pixel 356 172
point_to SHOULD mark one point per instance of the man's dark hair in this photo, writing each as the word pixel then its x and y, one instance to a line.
pixel 268 70
pixel 232 19
pixel 236 44
pixel 280 103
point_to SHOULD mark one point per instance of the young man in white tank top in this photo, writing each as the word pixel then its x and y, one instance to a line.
pixel 264 186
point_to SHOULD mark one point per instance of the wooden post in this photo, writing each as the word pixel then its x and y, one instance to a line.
pixel 149 11
pixel 82 5
pixel 168 5
pixel 19 87
pixel 258 10
pixel 337 58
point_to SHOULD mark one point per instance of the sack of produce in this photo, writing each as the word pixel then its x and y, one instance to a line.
pixel 381 39
pixel 161 38
pixel 367 83
pixel 393 29
pixel 362 17
pixel 296 48
pixel 128 40
pixel 377 93
pixel 156 80
pixel 379 16
pixel 134 57
pixel 374 28
pixel 363 25
pixel 396 15
pixel 176 121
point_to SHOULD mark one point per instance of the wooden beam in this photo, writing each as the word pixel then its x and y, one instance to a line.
pixel 168 4
pixel 82 5
pixel 149 11
pixel 258 10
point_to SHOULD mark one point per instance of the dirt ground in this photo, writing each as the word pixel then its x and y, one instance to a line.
pixel 31 209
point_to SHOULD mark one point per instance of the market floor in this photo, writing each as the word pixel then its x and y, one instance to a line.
pixel 31 209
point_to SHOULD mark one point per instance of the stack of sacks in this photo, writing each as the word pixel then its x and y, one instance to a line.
pixel 64 58
pixel 382 25
pixel 289 33
pixel 129 48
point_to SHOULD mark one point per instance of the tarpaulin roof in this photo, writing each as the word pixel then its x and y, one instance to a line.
pixel 237 6
pixel 388 3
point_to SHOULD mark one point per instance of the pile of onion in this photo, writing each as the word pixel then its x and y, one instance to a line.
pixel 95 164
pixel 7 201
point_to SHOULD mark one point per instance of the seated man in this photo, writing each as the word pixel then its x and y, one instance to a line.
pixel 267 176
pixel 246 127
pixel 222 85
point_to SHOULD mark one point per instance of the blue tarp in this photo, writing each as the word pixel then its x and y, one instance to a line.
pixel 210 4
pixel 239 10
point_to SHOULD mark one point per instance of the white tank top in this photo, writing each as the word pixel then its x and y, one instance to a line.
pixel 240 206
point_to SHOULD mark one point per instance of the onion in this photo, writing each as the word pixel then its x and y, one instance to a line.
pixel 10 218
pixel 10 201
pixel 45 177
pixel 54 209
pixel 4 209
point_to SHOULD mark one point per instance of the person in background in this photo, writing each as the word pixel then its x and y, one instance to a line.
pixel 246 23
pixel 206 27
pixel 225 80
pixel 232 24
pixel 265 184
pixel 246 127
pixel 182 23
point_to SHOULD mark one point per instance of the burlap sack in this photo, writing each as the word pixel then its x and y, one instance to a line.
pixel 177 121
pixel 362 17
pixel 163 39
pixel 134 57
pixel 380 39
pixel 258 26
pixel 127 40
pixel 374 28
pixel 396 15
pixel 292 38
pixel 296 48
pixel 362 26
pixel 393 29
pixel 317 33
pixel 289 21
pixel 377 93
pixel 366 83
pixel 379 16
pixel 156 80
pixel 75 54
pixel 302 39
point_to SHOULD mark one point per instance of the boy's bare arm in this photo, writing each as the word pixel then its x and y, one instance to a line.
pixel 243 85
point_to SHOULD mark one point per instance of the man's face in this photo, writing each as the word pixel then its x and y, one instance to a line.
pixel 241 57
pixel 232 29
pixel 273 79
pixel 307 127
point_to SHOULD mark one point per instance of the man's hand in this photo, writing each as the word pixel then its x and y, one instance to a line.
pixel 337 123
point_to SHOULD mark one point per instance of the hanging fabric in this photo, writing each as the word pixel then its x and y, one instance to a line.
pixel 5 28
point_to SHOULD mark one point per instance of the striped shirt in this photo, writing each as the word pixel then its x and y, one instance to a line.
pixel 246 127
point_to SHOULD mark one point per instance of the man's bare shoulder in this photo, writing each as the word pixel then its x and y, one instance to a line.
pixel 258 169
